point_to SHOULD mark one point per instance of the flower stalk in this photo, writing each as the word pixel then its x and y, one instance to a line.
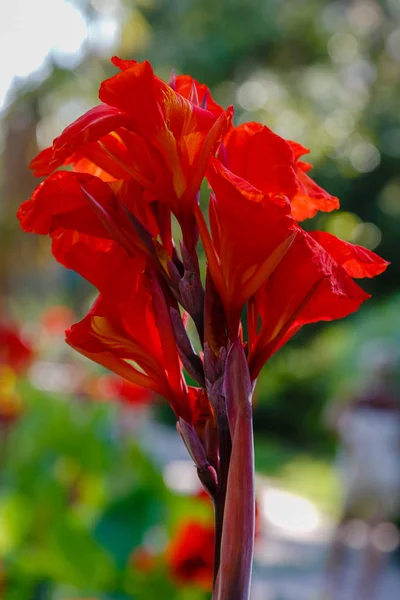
pixel 237 539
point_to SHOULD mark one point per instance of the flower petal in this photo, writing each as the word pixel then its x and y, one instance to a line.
pixel 247 228
pixel 307 286
pixel 357 261
pixel 263 158
pixel 59 202
pixel 95 259
pixel 310 197
pixel 184 85
pixel 132 91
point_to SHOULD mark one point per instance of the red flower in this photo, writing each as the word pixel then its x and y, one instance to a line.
pixel 83 203
pixel 190 556
pixel 143 130
pixel 250 233
pixel 128 329
pixel 122 329
pixel 272 165
pixel 15 350
pixel 313 282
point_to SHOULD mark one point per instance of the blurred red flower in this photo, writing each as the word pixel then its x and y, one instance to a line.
pixel 15 350
pixel 16 354
pixel 190 555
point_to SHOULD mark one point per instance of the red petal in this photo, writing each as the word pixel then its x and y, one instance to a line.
pixel 263 158
pixel 245 244
pixel 90 127
pixel 357 261
pixel 199 149
pixel 84 338
pixel 311 198
pixel 121 333
pixel 307 286
pixel 41 163
pixel 298 149
pixel 184 85
pixel 133 92
pixel 59 202
pixel 123 64
pixel 169 350
pixel 94 259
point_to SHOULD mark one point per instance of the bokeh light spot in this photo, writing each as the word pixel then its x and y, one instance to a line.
pixel 389 198
pixel 342 224
pixel 393 44
pixel 252 95
pixel 367 234
pixel 385 537
pixel 343 47
pixel 365 157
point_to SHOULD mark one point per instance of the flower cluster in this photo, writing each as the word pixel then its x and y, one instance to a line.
pixel 135 166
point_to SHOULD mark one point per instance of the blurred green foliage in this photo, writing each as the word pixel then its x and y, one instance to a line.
pixel 77 500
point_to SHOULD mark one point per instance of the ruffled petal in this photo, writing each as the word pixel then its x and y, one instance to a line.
pixel 311 198
pixel 263 158
pixel 59 202
pixel 132 91
pixel 307 286
pixel 357 261
pixel 90 127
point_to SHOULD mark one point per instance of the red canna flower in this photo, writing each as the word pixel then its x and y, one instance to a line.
pixel 144 131
pixel 272 165
pixel 122 329
pixel 137 157
pixel 85 204
pixel 313 282
pixel 242 252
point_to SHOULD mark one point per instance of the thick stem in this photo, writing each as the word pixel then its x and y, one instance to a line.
pixel 237 541
pixel 237 544
pixel 225 448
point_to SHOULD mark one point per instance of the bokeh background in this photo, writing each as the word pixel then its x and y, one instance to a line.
pixel 93 499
